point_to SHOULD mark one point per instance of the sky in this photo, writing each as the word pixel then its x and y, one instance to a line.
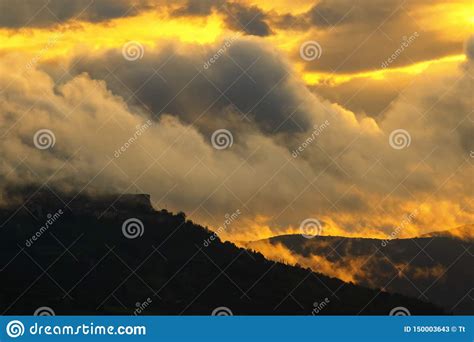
pixel 255 118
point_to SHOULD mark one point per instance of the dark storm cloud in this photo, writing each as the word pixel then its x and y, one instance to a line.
pixel 339 12
pixel 41 13
pixel 247 82
pixel 248 19
pixel 335 13
pixel 38 13
pixel 198 7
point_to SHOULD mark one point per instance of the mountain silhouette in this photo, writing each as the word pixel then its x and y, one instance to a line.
pixel 465 233
pixel 436 267
pixel 74 255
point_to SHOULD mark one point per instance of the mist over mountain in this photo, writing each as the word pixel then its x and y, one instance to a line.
pixel 118 255
pixel 465 233
pixel 435 268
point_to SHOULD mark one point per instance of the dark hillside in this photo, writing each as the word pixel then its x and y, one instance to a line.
pixel 82 263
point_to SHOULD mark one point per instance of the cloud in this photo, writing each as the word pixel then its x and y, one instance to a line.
pixel 250 20
pixel 198 7
pixel 329 13
pixel 364 95
pixel 38 13
pixel 348 269
pixel 359 36
pixel 354 37
pixel 238 16
pixel 469 48
pixel 349 176
pixel 249 82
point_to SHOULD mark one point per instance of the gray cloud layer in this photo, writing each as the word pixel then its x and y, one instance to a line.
pixel 239 17
pixel 354 36
pixel 37 13
pixel 249 80
pixel 360 36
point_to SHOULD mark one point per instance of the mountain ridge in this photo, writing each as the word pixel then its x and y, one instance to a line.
pixel 436 268
pixel 84 263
